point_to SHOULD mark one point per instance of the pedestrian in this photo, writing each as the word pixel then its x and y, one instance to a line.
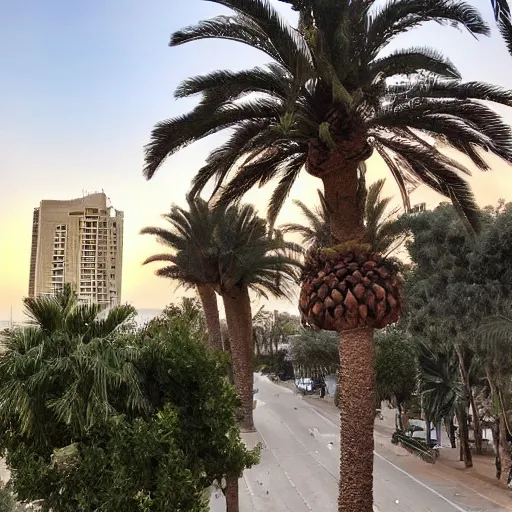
pixel 322 390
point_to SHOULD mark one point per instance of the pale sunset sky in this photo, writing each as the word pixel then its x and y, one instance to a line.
pixel 83 82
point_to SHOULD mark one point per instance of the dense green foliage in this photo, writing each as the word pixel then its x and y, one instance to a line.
pixel 224 248
pixel 396 368
pixel 131 421
pixel 315 353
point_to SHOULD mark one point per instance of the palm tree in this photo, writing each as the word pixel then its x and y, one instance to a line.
pixel 496 354
pixel 190 239
pixel 66 367
pixel 504 18
pixel 62 313
pixel 382 231
pixel 249 258
pixel 229 252
pixel 325 102
pixel 442 391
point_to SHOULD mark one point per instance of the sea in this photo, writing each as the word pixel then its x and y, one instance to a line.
pixel 143 316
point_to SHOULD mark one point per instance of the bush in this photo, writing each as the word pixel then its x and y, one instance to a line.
pixel 136 422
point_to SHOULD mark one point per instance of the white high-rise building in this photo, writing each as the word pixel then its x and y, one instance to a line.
pixel 79 242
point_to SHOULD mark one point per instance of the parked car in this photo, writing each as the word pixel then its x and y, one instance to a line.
pixel 305 384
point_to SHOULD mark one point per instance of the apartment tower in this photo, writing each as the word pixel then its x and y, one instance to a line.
pixel 79 242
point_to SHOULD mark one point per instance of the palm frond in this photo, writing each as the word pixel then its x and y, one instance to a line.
pixel 411 61
pixel 399 16
pixel 437 171
pixel 503 17
pixel 170 136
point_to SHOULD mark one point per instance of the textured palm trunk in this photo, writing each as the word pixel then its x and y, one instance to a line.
pixel 356 381
pixel 208 299
pixel 469 392
pixel 239 319
pixel 505 452
pixel 462 418
pixel 356 377
pixel 231 494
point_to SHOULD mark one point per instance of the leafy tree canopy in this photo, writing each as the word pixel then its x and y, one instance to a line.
pixel 134 421
pixel 396 365
pixel 315 353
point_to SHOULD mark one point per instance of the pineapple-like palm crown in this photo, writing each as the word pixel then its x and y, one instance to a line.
pixel 329 87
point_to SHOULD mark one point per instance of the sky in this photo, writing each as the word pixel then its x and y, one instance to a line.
pixel 83 82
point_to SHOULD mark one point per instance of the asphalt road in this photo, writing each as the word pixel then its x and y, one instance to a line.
pixel 299 466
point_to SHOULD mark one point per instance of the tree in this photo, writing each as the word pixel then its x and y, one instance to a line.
pixel 325 102
pixel 273 328
pixel 231 251
pixel 441 389
pixel 459 276
pixel 249 258
pixel 504 20
pixel 63 313
pixel 190 238
pixel 383 232
pixel 442 289
pixel 396 368
pixel 315 353
pixel 107 424
pixel 496 353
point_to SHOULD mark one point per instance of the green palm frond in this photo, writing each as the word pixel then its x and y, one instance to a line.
pixel 397 17
pixel 326 84
pixel 404 62
pixel 263 26
pixel 440 385
pixel 384 231
pixel 504 18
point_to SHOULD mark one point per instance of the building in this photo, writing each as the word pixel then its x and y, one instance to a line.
pixel 78 242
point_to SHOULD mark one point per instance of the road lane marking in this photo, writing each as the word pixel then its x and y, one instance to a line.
pixel 305 447
pixel 285 473
pixel 419 482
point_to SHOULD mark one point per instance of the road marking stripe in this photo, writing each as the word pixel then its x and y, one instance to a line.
pixel 285 473
pixel 419 482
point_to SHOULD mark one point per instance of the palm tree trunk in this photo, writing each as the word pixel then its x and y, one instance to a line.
pixel 505 451
pixel 462 418
pixel 497 420
pixel 239 318
pixel 356 384
pixel 208 299
pixel 346 207
pixel 231 494
pixel 450 427
pixel 474 409
pixel 356 376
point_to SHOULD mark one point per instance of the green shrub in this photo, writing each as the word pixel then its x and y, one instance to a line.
pixel 139 421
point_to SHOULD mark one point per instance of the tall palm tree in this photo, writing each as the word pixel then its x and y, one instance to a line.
pixel 383 231
pixel 326 102
pixel 230 252
pixel 503 16
pixel 190 239
pixel 249 258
